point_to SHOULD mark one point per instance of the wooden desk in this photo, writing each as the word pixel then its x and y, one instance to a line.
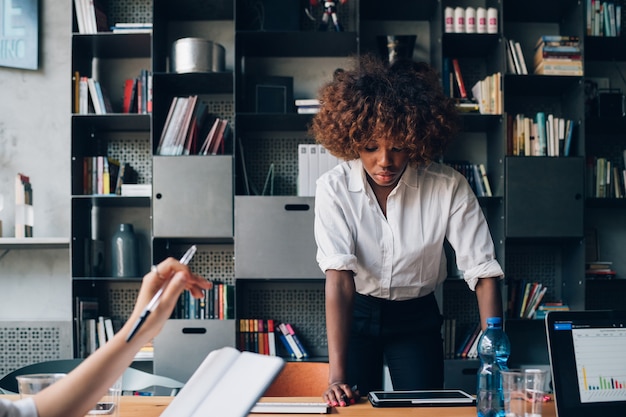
pixel 154 406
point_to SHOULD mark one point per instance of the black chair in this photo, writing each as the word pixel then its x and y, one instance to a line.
pixel 8 382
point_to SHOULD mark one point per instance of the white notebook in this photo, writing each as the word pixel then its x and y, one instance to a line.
pixel 228 383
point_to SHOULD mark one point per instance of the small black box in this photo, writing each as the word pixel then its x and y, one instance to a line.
pixel 610 103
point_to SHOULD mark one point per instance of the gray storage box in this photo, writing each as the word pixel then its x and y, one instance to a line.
pixel 193 196
pixel 274 238
pixel 182 345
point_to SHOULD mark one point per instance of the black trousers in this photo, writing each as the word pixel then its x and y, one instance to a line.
pixel 406 333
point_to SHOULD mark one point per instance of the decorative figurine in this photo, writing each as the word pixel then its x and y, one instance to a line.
pixel 330 11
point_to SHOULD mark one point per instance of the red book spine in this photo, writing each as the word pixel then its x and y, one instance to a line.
pixel 459 77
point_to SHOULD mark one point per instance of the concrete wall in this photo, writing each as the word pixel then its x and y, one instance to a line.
pixel 35 140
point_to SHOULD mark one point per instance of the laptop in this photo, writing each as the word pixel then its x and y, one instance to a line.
pixel 588 362
pixel 228 383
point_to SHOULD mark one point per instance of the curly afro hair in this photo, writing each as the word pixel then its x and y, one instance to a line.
pixel 402 102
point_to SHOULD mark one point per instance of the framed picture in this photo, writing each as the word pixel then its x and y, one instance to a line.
pixel 19 34
pixel 270 94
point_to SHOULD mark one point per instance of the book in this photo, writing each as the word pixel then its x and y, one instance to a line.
pixel 86 308
pixel 272 407
pixel 227 382
pixel 513 51
pixel 285 343
pixel 303 170
pixel 271 337
pixel 485 180
pixel 520 57
pixel 540 119
pixel 472 353
pixel 295 337
pixel 459 77
pixel 307 102
pixel 293 346
pixel 96 101
pixel 557 38
pixel 24 211
pixel 101 332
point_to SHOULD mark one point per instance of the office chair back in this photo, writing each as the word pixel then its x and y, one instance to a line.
pixel 136 380
pixel 300 379
pixel 132 380
pixel 8 383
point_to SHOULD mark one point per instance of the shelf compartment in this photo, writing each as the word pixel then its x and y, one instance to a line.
pixel 109 45
pixel 474 122
pixel 606 125
pixel 602 48
pixel 296 44
pixel 193 83
pixel 524 85
pixel 538 11
pixel 398 10
pixel 117 122
pixel 192 10
pixel 112 200
pixel 468 44
pixel 272 122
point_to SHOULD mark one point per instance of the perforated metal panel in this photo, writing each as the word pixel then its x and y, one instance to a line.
pixel 134 151
pixel 299 303
pixel 24 343
pixel 535 263
pixel 213 262
pixel 138 11
pixel 280 149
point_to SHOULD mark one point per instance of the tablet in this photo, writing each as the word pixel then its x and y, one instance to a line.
pixel 424 398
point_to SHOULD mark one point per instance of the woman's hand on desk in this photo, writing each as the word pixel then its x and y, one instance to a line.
pixel 341 394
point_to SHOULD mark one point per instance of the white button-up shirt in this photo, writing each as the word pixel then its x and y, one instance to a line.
pixel 401 256
pixel 20 408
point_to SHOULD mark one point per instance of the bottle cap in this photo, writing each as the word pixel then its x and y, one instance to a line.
pixel 494 320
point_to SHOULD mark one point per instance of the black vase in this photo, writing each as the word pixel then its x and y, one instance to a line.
pixel 124 252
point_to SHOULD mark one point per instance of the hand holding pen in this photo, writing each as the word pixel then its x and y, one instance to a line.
pixel 154 302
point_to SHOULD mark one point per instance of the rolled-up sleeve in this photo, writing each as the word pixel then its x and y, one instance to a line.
pixel 469 235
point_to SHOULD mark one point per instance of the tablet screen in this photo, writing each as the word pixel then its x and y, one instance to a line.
pixel 421 395
pixel 420 398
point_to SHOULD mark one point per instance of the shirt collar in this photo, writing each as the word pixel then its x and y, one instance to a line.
pixel 357 176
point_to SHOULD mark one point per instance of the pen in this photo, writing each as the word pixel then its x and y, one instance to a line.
pixel 154 302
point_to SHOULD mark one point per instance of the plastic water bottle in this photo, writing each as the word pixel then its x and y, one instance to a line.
pixel 493 350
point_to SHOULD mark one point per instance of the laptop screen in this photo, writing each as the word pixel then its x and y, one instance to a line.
pixel 588 361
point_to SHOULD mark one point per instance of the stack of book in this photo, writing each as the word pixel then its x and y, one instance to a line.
pixel 600 270
pixel 558 55
pixel 545 308
pixel 307 105
pixel 132 28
